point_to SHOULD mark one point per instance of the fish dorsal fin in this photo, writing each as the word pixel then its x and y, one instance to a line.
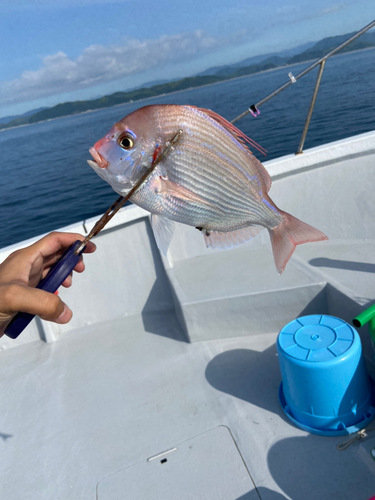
pixel 240 136
pixel 236 132
pixel 230 239
pixel 163 231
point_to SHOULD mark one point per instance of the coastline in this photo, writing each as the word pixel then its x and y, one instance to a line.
pixel 182 90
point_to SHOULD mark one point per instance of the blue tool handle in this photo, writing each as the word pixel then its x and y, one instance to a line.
pixel 50 283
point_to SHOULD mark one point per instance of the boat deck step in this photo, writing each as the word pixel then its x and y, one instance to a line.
pixel 248 296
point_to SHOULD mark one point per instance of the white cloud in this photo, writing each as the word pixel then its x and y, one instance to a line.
pixel 99 64
pixel 292 14
pixel 333 8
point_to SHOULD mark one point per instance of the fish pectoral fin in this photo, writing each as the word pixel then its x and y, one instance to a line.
pixel 163 231
pixel 230 239
pixel 167 187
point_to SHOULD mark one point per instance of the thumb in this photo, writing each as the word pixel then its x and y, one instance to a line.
pixel 22 298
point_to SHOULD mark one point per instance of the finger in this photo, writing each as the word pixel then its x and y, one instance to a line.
pixel 68 281
pixel 56 242
pixel 15 298
pixel 90 247
pixel 50 261
pixel 80 267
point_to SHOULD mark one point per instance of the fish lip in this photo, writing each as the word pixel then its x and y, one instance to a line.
pixel 101 162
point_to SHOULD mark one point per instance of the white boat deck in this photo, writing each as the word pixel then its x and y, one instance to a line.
pixel 178 355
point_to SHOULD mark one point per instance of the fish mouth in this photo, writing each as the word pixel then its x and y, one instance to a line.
pixel 99 160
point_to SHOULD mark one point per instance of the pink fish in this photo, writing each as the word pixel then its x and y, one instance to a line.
pixel 209 180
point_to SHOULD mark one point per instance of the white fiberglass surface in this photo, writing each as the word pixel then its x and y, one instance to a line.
pixel 112 395
pixel 122 383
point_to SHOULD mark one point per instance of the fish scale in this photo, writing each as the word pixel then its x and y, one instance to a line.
pixel 238 197
pixel 228 150
pixel 220 213
pixel 212 186
pixel 209 179
pixel 180 173
pixel 202 133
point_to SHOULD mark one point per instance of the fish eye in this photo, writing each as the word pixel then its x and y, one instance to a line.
pixel 126 141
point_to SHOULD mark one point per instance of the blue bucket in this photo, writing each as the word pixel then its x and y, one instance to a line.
pixel 325 387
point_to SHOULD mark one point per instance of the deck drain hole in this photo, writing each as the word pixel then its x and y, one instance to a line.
pixel 163 461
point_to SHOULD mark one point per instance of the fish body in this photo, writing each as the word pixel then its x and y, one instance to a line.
pixel 209 179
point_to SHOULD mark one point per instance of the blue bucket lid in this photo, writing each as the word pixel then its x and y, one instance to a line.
pixel 316 338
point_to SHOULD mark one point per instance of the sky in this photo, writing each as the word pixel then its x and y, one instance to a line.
pixel 55 51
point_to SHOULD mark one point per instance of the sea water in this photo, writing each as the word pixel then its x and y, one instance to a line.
pixel 46 183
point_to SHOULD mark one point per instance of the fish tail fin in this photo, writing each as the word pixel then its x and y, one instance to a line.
pixel 287 235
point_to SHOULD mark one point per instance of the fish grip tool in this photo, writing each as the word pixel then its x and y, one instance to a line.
pixel 65 265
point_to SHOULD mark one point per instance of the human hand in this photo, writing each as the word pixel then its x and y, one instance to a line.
pixel 22 271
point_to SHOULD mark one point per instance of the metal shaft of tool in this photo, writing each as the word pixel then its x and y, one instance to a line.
pixel 107 216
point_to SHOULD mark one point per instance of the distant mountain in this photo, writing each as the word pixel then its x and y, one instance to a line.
pixel 6 119
pixel 230 68
pixel 287 53
pixel 259 63
pixel 148 85
pixel 71 108
pixel 327 44
pixel 311 50
pixel 154 82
